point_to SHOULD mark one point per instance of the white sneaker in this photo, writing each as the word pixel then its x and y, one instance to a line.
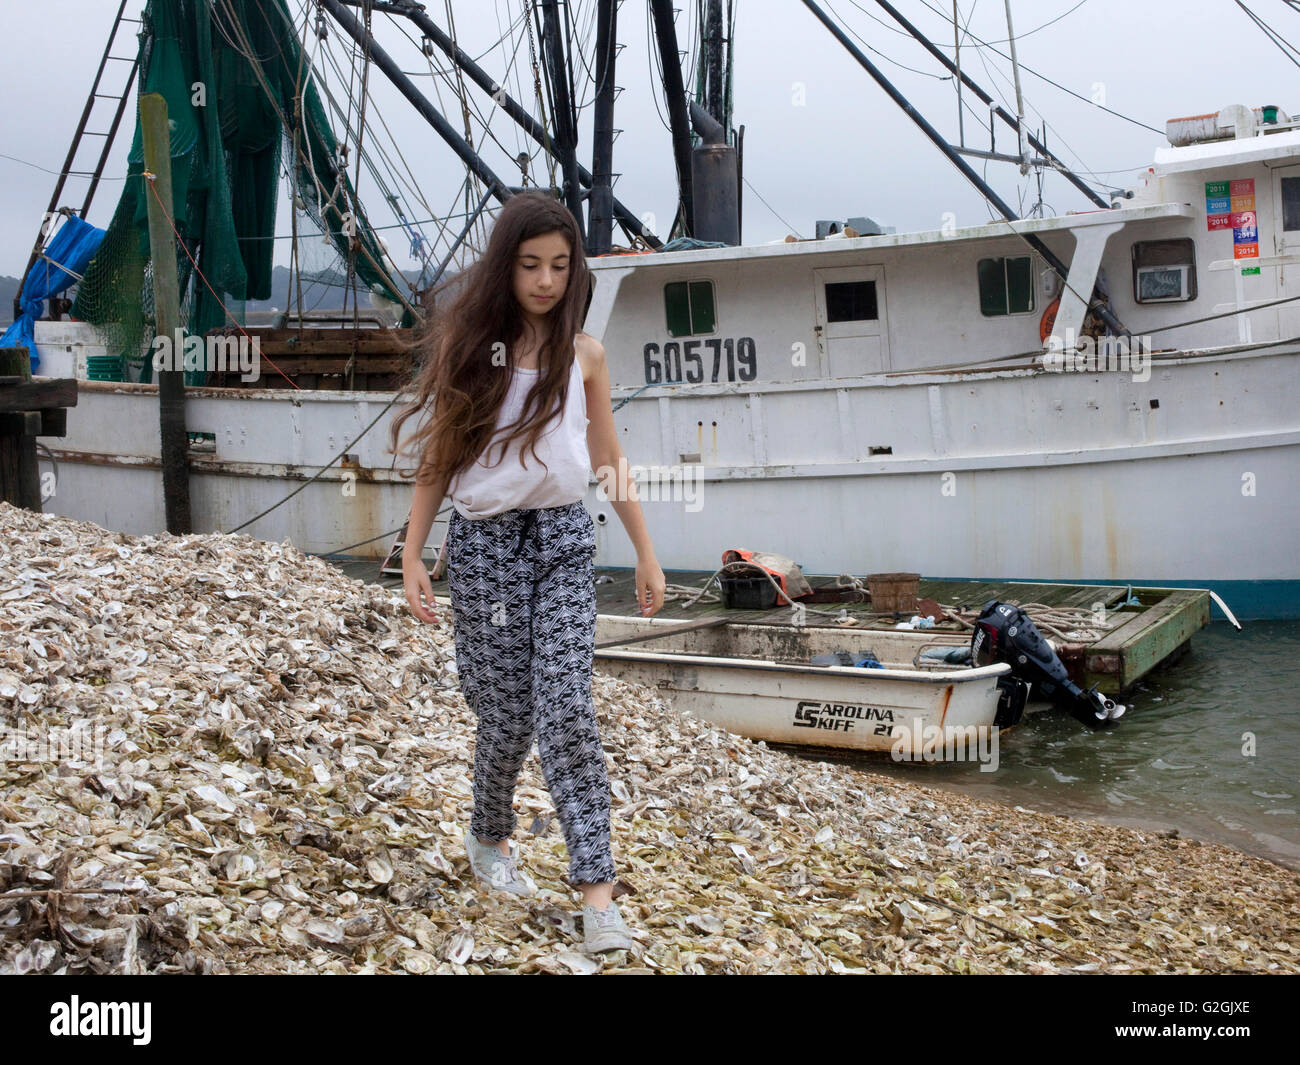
pixel 603 930
pixel 496 869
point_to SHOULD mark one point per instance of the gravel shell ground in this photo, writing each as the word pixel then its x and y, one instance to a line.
pixel 218 754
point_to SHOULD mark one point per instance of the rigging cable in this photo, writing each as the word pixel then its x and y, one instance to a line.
pixel 484 122
pixel 1283 45
pixel 877 51
pixel 385 189
pixel 441 219
pixel 362 156
pixel 792 229
pixel 505 80
pixel 353 239
pixel 1044 77
pixel 461 92
pixel 1080 166
pixel 295 262
pixel 56 173
pixel 655 68
pixel 537 90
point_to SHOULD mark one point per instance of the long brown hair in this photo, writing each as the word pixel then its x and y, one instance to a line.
pixel 455 368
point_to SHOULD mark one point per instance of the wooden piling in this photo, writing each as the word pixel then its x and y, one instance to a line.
pixel 29 407
pixel 166 301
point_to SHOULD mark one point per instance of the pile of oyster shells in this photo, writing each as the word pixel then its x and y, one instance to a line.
pixel 218 754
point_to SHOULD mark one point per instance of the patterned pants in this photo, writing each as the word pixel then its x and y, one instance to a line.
pixel 523 600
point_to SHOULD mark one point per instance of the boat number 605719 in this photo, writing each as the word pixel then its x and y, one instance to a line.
pixel 694 361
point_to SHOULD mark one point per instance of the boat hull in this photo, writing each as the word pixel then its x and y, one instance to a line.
pixel 831 706
pixel 892 710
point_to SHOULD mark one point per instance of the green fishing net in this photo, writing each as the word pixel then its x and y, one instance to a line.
pixel 237 85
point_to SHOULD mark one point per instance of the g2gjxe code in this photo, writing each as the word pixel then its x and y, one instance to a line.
pixel 1224 1007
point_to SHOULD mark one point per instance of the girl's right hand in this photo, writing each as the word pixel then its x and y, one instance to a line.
pixel 415 582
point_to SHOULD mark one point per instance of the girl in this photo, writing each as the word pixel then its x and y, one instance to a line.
pixel 511 379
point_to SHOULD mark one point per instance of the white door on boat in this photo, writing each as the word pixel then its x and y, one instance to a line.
pixel 1286 238
pixel 851 325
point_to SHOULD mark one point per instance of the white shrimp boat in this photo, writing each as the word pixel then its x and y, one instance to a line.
pixel 885 427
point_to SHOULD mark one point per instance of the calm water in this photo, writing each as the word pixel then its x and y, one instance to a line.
pixel 1175 761
pixel 1176 758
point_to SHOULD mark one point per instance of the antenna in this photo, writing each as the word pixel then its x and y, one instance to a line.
pixel 1020 103
pixel 956 56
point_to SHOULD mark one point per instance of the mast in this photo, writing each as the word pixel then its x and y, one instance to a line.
pixel 713 34
pixel 566 127
pixel 678 120
pixel 600 203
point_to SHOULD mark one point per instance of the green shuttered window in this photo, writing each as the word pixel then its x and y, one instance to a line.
pixel 1006 286
pixel 689 308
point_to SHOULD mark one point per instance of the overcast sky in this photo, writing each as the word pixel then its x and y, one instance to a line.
pixel 822 140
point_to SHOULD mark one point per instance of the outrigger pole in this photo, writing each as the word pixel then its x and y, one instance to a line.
pixel 985 98
pixel 1050 257
pixel 431 114
pixel 626 218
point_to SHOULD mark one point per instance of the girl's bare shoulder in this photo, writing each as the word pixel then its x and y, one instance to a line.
pixel 590 353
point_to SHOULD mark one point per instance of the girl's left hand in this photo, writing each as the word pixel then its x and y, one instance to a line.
pixel 650 585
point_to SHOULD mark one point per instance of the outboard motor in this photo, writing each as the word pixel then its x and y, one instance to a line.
pixel 1004 633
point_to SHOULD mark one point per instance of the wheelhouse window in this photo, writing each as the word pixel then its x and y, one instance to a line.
pixel 689 308
pixel 1290 203
pixel 851 301
pixel 1006 286
pixel 1164 271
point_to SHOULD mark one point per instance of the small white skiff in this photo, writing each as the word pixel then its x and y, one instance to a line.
pixel 756 680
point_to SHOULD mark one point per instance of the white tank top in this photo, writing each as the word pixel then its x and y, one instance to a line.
pixel 482 491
